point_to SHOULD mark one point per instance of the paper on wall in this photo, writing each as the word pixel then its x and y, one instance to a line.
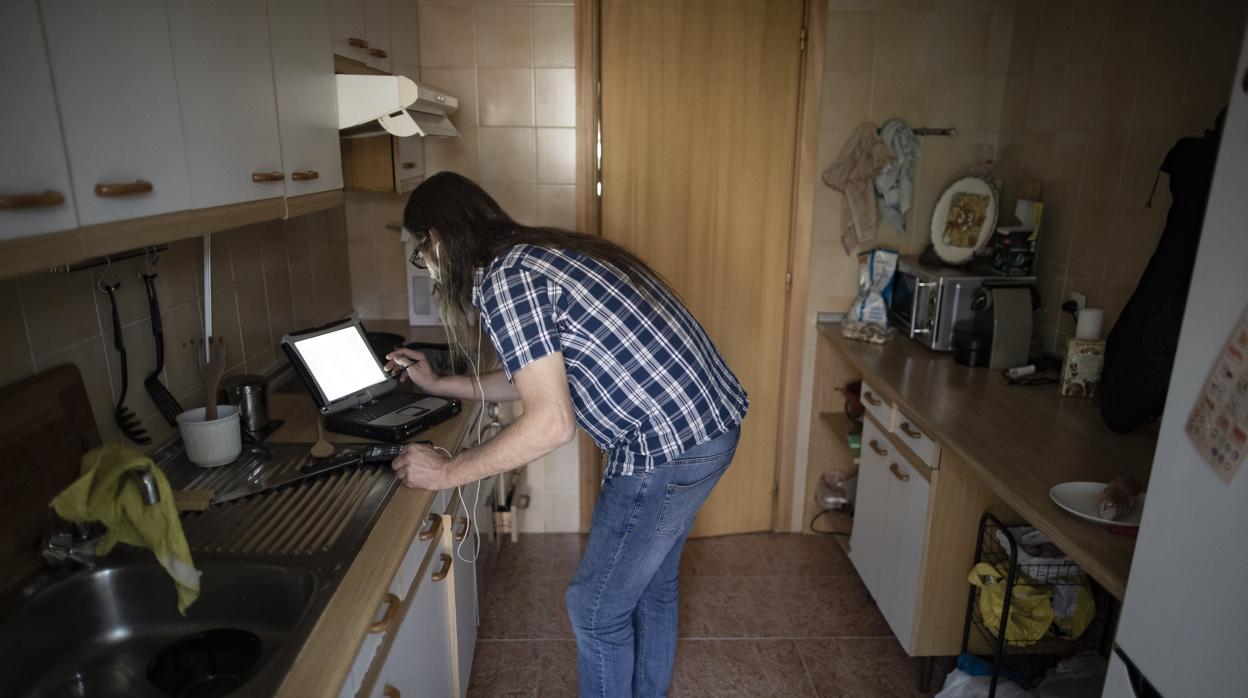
pixel 1218 424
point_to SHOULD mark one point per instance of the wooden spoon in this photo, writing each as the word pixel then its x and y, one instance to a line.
pixel 322 448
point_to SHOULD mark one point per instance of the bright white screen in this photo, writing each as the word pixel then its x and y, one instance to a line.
pixel 340 362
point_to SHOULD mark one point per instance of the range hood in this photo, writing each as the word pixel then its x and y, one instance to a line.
pixel 371 105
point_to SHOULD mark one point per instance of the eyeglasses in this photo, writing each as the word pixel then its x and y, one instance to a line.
pixel 422 240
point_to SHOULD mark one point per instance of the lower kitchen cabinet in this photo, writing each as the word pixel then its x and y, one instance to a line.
pixel 421 660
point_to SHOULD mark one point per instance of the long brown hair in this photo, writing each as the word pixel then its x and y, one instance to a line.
pixel 474 230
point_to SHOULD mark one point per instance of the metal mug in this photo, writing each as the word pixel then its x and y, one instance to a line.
pixel 251 394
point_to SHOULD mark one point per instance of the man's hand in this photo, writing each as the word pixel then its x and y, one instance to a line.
pixel 422 467
pixel 415 366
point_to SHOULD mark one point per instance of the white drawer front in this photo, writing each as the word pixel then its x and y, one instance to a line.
pixel 877 406
pixel 918 441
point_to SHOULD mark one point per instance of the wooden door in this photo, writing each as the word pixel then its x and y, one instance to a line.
pixel 699 126
pixel 34 183
pixel 866 543
pixel 904 534
pixel 118 102
pixel 225 86
pixel 307 95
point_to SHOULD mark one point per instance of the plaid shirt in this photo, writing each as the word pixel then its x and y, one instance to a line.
pixel 646 382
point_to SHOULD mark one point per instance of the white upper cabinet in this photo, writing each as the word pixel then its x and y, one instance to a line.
pixel 113 71
pixel 307 96
pixel 405 38
pixel 377 33
pixel 348 29
pixel 35 191
pixel 225 86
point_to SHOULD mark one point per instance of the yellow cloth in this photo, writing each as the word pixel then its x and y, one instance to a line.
pixel 104 493
pixel 1031 607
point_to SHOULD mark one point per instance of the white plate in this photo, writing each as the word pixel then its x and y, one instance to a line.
pixel 1079 498
pixel 953 254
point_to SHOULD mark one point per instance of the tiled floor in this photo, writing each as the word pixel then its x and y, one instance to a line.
pixel 761 615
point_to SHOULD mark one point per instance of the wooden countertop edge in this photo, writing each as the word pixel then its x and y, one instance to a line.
pixel 1112 581
pixel 324 661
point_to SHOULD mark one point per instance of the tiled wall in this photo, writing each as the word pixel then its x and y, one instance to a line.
pixel 1097 94
pixel 511 64
pixel 268 279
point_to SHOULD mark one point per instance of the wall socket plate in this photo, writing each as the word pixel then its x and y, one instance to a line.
pixel 1079 299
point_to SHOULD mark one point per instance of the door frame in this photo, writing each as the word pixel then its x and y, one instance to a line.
pixel 588 220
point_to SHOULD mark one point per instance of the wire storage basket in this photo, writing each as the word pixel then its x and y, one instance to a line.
pixel 1034 606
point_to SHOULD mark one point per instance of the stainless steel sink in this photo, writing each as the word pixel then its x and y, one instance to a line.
pixel 270 563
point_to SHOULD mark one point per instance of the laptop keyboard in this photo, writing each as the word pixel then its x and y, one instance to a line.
pixel 382 406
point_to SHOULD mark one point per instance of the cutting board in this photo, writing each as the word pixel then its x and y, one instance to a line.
pixel 45 426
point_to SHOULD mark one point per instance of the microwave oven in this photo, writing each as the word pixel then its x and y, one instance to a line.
pixel 927 302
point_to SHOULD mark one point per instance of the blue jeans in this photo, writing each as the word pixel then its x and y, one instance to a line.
pixel 624 601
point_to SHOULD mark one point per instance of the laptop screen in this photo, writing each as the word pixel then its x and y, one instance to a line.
pixel 340 362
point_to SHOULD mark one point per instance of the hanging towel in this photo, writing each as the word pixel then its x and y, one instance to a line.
pixel 894 185
pixel 853 174
pixel 104 493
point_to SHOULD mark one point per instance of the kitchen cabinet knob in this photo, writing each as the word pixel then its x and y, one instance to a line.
pixel 305 175
pixel 357 42
pixel 904 477
pixel 267 176
pixel 391 692
pixel 445 569
pixel 523 501
pixel 408 166
pixel 875 446
pixel 392 608
pixel 42 199
pixel 464 533
pixel 378 53
pixel 910 431
pixel 871 399
pixel 111 189
pixel 435 522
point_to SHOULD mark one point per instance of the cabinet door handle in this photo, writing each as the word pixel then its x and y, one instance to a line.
pixel 268 176
pixel 42 199
pixel 435 522
pixel 875 446
pixel 111 189
pixel 392 607
pixel 464 533
pixel 378 53
pixel 445 569
pixel 904 477
pixel 357 42
pixel 408 166
pixel 871 399
pixel 910 431
pixel 391 692
pixel 305 175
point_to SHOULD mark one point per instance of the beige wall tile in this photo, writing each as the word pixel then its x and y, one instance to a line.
pixel 1208 78
pixel 262 361
pixel 845 100
pixel 518 200
pixel 991 103
pixel 1133 240
pixel 454 154
pixel 91 357
pixel 1172 24
pixel 1080 82
pixel 273 251
pixel 1084 32
pixel 1146 150
pixel 394 305
pixel 508 155
pixel 362 260
pixel 225 324
pixel 1158 97
pixel 1014 103
pixel 1115 95
pixel 556 206
pixel 1000 38
pixel 899 96
pixel 1070 153
pixel 1052 281
pixel 1053 34
pixel 359 207
pixel 1042 99
pixel 955 100
pixel 964 5
pixel 447 37
pixel 1056 231
pixel 132 303
pixel 253 316
pixel 903 43
pixel 1023 39
pixel 554 37
pixel 556 155
pixel 850 41
pixel 281 305
pixel 302 292
pixel 393 274
pixel 183 332
pixel 1093 231
pixel 960 42
pixel 461 82
pixel 504 36
pixel 367 305
pixel 222 269
pixel 59 309
pixel 175 272
pixel 14 347
pixel 506 96
pixel 556 97
pixel 1103 172
pixel 245 254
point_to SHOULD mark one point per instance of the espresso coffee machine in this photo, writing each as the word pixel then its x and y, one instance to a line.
pixel 998 335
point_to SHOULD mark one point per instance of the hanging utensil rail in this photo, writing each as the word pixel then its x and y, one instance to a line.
pixel 109 258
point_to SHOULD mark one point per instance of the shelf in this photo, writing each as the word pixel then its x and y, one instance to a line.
pixel 839 423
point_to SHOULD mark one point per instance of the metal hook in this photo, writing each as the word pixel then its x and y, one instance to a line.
pixel 108 264
pixel 150 259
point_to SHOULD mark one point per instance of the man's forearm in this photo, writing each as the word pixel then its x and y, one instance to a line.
pixel 494 384
pixel 520 443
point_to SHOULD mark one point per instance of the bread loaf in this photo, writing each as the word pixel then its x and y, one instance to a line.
pixel 1118 498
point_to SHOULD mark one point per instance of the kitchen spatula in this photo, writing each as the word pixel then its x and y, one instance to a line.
pixel 165 401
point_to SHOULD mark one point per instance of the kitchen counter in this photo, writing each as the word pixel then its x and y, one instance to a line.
pixel 1019 440
pixel 325 659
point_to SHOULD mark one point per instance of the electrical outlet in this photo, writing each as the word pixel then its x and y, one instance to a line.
pixel 1079 299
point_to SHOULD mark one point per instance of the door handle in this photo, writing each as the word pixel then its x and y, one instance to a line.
pixel 871 399
pixel 435 522
pixel 910 431
pixel 875 446
pixel 904 477
pixel 112 189
pixel 392 607
pixel 444 570
pixel 264 177
pixel 378 53
pixel 464 533
pixel 357 42
pixel 391 692
pixel 42 199
pixel 305 175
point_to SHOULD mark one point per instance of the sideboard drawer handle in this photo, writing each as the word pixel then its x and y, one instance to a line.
pixel 910 431
pixel 445 569
pixel 265 177
pixel 435 522
pixel 875 446
pixel 904 477
pixel 871 399
pixel 41 199
pixel 392 607
pixel 111 189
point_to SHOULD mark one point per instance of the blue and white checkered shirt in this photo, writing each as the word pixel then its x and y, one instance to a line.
pixel 646 382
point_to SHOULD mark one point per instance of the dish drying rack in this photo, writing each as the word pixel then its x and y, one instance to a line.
pixel 1031 657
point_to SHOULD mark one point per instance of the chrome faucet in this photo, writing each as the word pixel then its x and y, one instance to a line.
pixel 78 545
